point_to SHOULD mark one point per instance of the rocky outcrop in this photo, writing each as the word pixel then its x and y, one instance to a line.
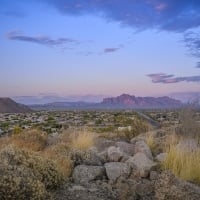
pixel 128 171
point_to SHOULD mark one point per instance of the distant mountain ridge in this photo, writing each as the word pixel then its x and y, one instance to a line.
pixel 46 99
pixel 7 105
pixel 123 101
pixel 141 102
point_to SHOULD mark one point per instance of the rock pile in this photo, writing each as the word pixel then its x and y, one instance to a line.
pixel 123 171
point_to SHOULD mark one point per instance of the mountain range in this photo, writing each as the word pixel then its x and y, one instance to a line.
pixel 124 101
pixel 51 98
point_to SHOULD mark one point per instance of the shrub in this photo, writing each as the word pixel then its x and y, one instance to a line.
pixel 25 175
pixel 17 130
pixel 19 183
pixel 34 140
pixel 61 155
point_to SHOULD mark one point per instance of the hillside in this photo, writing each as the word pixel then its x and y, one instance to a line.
pixel 7 105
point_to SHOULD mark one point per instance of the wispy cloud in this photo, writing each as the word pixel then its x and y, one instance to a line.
pixel 166 79
pixel 168 15
pixel 111 50
pixel 171 15
pixel 42 40
pixel 192 40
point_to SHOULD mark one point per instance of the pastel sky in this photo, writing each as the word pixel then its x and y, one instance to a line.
pixel 107 47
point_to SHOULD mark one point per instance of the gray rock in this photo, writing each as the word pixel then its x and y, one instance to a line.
pixel 89 157
pixel 114 154
pixel 141 146
pixel 126 147
pixel 161 157
pixel 115 170
pixel 141 164
pixel 84 173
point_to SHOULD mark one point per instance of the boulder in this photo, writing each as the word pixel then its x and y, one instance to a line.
pixel 161 157
pixel 141 164
pixel 115 170
pixel 85 173
pixel 126 147
pixel 142 147
pixel 114 154
pixel 89 157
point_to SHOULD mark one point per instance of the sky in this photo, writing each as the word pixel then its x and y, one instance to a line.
pixel 99 47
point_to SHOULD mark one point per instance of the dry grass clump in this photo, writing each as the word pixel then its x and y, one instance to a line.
pixel 26 175
pixel 82 140
pixel 33 140
pixel 184 164
pixel 150 140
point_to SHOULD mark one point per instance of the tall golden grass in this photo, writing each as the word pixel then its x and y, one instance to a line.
pixel 184 164
pixel 150 140
pixel 82 140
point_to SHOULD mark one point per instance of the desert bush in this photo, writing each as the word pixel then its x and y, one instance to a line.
pixel 19 183
pixel 33 139
pixel 60 153
pixel 17 130
pixel 25 175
